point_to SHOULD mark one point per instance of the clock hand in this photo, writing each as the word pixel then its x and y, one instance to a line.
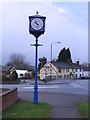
pixel 36 22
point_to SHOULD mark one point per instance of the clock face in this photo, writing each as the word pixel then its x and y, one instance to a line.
pixel 36 23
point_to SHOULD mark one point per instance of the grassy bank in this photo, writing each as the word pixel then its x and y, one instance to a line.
pixel 84 110
pixel 27 110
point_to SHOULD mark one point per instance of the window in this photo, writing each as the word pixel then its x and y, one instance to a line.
pixel 64 76
pixel 45 70
pixel 60 76
pixel 76 70
pixel 21 75
pixel 76 75
pixel 59 70
pixel 67 70
pixel 50 71
pixel 89 75
pixel 80 75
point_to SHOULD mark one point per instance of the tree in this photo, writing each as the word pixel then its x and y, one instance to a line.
pixel 42 62
pixel 4 77
pixel 13 76
pixel 64 55
pixel 18 61
pixel 33 74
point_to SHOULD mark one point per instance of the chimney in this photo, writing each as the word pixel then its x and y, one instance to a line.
pixel 55 59
pixel 77 62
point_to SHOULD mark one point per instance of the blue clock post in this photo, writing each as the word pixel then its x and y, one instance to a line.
pixel 36 28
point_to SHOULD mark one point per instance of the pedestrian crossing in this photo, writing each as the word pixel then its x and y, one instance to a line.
pixel 40 87
pixel 79 86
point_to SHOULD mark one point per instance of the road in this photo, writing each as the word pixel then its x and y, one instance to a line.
pixel 74 87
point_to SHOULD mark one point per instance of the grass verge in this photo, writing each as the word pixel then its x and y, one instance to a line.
pixel 84 110
pixel 27 110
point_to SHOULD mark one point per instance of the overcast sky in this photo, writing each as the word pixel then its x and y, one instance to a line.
pixel 65 22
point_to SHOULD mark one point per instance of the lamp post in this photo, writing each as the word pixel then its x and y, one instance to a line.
pixel 36 28
pixel 51 47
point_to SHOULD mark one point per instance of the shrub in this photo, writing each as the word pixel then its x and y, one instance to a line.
pixel 33 74
pixel 27 76
pixel 4 77
pixel 13 76
pixel 0 79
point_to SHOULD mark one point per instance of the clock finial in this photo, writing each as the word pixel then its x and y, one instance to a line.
pixel 37 12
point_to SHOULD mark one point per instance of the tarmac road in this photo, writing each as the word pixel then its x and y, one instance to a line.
pixel 59 86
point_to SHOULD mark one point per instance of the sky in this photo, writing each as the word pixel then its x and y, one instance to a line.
pixel 66 22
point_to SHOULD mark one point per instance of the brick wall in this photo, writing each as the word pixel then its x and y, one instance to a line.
pixel 3 90
pixel 8 98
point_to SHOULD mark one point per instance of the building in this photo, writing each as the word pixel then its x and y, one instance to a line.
pixel 86 72
pixel 21 73
pixel 8 69
pixel 77 70
pixel 61 70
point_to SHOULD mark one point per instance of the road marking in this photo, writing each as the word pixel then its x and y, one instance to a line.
pixel 40 87
pixel 76 85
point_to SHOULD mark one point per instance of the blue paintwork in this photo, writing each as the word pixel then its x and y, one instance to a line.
pixel 35 97
pixel 35 100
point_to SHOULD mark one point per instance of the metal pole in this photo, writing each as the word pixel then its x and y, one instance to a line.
pixel 35 85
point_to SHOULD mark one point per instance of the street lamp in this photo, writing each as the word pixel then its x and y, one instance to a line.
pixel 51 47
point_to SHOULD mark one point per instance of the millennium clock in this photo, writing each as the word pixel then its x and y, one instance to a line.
pixel 37 25
pixel 36 28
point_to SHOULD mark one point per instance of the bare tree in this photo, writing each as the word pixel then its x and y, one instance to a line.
pixel 18 61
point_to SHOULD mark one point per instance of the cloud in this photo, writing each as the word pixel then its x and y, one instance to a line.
pixel 46 1
pixel 61 25
pixel 0 33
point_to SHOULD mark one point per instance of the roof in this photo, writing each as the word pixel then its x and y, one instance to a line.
pixel 66 65
pixel 21 71
pixel 6 68
pixel 87 69
pixel 29 68
pixel 25 67
pixel 76 66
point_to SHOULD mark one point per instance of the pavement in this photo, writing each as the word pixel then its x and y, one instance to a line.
pixel 63 104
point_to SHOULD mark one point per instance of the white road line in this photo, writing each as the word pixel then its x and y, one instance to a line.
pixel 40 87
pixel 76 85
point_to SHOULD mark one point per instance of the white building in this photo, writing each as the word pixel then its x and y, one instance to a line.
pixel 77 70
pixel 86 73
pixel 21 73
